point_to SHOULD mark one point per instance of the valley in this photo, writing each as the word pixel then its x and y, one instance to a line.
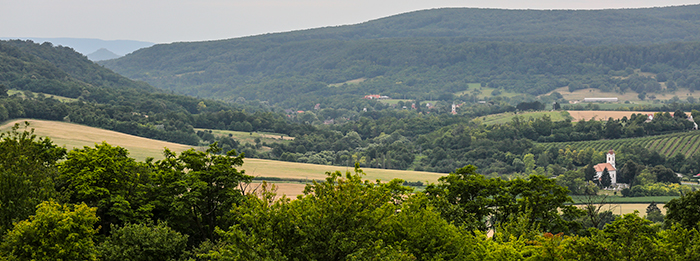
pixel 488 116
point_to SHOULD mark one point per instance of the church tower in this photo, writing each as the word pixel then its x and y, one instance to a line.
pixel 610 158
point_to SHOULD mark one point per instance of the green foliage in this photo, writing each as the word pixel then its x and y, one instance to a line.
pixel 657 189
pixel 27 174
pixel 107 178
pixel 143 242
pixel 342 218
pixel 654 213
pixel 196 190
pixel 467 199
pixel 589 172
pixel 605 180
pixel 418 55
pixel 683 210
pixel 56 232
pixel 574 181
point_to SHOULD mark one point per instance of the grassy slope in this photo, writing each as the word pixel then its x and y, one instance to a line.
pixel 249 137
pixel 508 116
pixel 60 98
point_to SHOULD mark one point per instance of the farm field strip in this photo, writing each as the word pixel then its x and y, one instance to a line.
pixel 687 143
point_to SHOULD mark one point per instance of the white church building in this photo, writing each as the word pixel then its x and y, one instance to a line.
pixel 609 165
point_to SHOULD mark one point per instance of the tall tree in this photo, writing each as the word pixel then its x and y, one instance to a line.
pixel 589 172
pixel 107 178
pixel 197 189
pixel 605 180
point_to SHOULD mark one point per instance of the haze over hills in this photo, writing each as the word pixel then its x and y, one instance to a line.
pixel 87 46
pixel 432 53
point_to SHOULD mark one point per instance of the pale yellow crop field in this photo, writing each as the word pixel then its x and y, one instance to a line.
pixel 604 115
pixel 295 170
pixel 70 135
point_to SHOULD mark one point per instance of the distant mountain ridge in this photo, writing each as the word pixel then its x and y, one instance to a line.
pixel 581 27
pixel 425 54
pixel 102 54
pixel 87 46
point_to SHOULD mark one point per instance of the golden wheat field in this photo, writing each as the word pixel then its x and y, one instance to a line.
pixel 71 135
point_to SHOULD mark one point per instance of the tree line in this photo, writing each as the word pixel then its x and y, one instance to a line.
pixel 97 203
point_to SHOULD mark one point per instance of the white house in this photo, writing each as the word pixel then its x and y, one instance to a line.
pixel 610 165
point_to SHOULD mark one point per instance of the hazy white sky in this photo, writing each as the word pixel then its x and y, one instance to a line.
pixel 163 21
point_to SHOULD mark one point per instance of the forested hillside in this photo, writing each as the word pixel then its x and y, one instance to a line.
pixel 435 54
pixel 108 100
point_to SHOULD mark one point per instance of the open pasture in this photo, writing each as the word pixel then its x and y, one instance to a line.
pixel 59 98
pixel 508 116
pixel 249 137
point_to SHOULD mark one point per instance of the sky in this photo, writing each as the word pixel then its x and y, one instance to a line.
pixel 165 21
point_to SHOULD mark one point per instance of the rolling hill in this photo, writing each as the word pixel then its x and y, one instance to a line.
pixel 434 53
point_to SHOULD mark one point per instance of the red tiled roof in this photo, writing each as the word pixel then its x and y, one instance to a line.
pixel 600 167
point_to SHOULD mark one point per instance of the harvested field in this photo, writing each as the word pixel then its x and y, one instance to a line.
pixel 294 170
pixel 621 209
pixel 604 115
pixel 291 190
pixel 70 135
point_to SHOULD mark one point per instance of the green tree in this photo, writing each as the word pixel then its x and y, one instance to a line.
pixel 589 172
pixel 683 211
pixel 143 242
pixel 107 178
pixel 3 90
pixel 343 218
pixel 465 197
pixel 27 174
pixel 529 160
pixel 654 213
pixel 633 238
pixel 605 180
pixel 664 174
pixel 196 190
pixel 56 232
